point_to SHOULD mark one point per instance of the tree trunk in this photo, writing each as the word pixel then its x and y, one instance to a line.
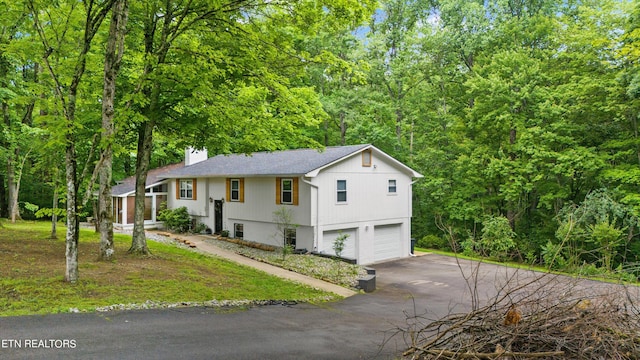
pixel 12 185
pixel 511 205
pixel 399 120
pixel 113 55
pixel 145 141
pixel 343 129
pixel 3 198
pixel 54 215
pixel 72 236
pixel 92 23
pixel 12 155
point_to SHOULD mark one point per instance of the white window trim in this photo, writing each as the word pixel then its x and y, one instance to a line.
pixel 185 189
pixel 282 191
pixel 346 192
pixel 290 234
pixel 231 181
pixel 235 230
pixel 395 186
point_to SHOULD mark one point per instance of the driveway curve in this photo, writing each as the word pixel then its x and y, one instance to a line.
pixel 362 326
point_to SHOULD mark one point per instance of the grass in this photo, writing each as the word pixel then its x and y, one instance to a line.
pixel 33 267
pixel 537 268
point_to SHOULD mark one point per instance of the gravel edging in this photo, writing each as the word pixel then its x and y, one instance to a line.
pixel 150 304
pixel 330 270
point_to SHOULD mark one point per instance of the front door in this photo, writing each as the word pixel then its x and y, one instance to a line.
pixel 218 216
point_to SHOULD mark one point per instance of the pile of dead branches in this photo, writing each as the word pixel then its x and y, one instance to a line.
pixel 544 317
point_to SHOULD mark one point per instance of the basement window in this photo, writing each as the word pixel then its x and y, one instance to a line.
pixel 290 237
pixel 238 231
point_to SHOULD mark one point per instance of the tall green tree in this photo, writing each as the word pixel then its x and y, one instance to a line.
pixel 113 57
pixel 18 76
pixel 58 54
pixel 230 68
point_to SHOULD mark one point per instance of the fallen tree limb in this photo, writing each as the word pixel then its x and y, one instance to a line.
pixel 494 355
pixel 553 318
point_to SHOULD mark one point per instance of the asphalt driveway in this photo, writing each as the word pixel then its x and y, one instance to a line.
pixel 354 328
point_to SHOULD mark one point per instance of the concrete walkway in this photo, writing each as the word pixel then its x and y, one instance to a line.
pixel 200 242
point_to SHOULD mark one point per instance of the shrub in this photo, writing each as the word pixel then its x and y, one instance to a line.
pixel 433 242
pixel 552 256
pixel 177 219
pixel 497 237
pixel 200 228
pixel 339 244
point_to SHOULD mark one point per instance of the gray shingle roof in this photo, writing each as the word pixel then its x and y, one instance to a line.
pixel 288 162
pixel 154 176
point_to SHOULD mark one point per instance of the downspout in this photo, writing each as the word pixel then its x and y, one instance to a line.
pixel 315 227
pixel 411 197
pixel 411 211
pixel 207 206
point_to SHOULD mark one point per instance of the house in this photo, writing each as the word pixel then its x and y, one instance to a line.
pixel 356 190
pixel 156 193
pixel 123 197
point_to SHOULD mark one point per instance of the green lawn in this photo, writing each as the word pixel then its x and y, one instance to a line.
pixel 32 275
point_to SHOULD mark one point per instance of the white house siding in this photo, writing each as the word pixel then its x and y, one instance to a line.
pixel 260 202
pixel 198 207
pixel 367 198
pixel 255 213
pixel 267 233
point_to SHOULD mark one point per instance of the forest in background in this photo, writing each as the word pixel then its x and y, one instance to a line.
pixel 521 115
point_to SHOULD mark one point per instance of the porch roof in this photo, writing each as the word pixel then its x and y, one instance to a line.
pixel 154 177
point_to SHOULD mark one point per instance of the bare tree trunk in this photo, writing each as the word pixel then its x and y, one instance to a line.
pixel 73 233
pixel 399 120
pixel 3 198
pixel 14 210
pixel 113 55
pixel 343 129
pixel 326 132
pixel 411 142
pixel 54 215
pixel 145 142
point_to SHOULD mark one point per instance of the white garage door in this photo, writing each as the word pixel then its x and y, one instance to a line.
pixel 349 250
pixel 386 242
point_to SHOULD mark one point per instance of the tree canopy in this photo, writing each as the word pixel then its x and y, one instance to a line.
pixel 517 112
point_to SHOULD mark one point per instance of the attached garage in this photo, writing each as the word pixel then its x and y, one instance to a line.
pixel 349 251
pixel 386 242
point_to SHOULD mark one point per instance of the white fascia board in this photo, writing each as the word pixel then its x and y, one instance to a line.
pixel 146 187
pixel 315 172
pixel 415 174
